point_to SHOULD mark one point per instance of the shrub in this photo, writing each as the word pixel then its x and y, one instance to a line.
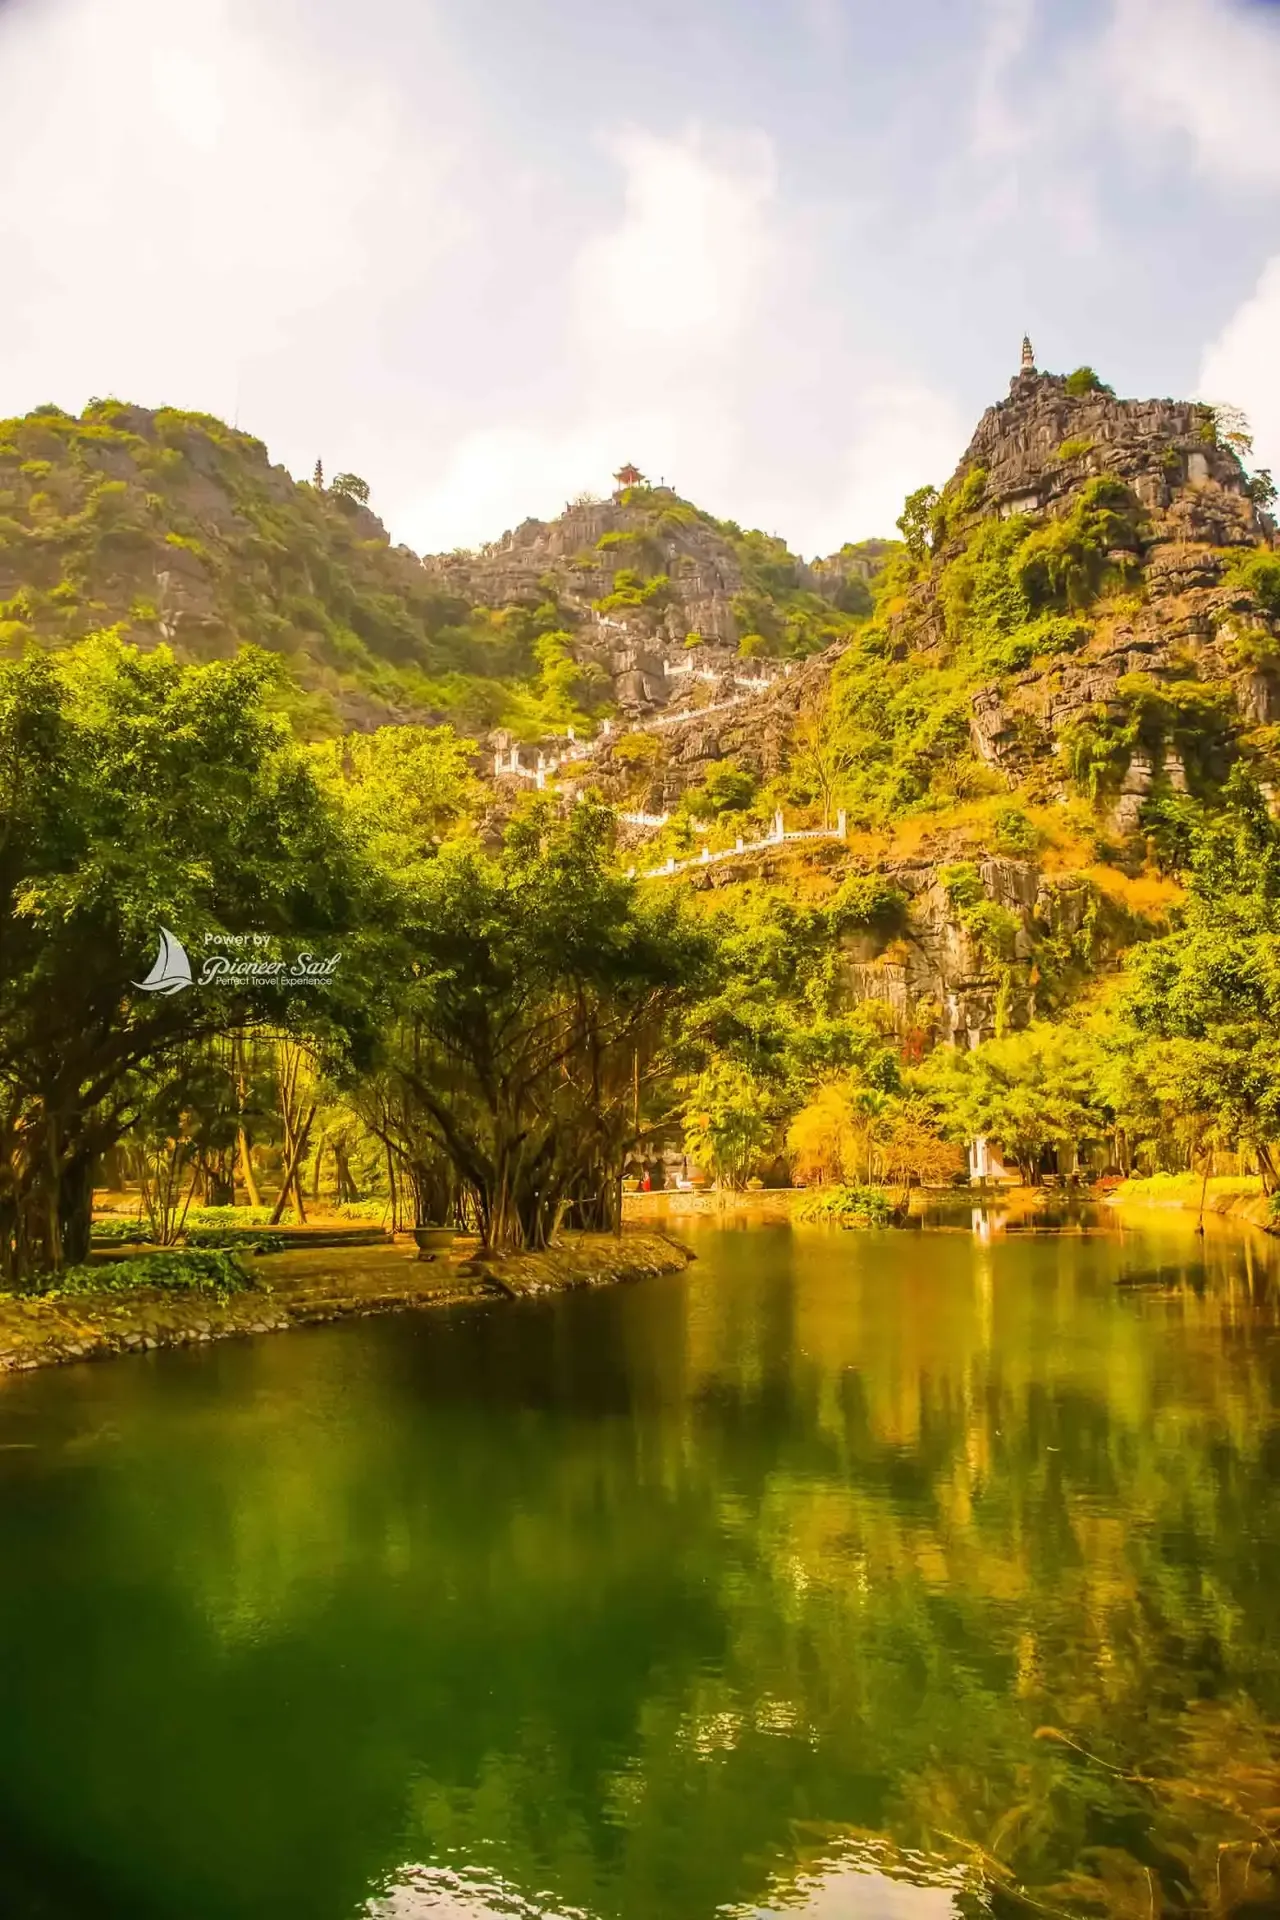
pixel 1066 563
pixel 727 789
pixel 213 1271
pixel 1075 449
pixel 121 1233
pixel 1014 834
pixel 847 1207
pixel 1085 381
pixel 868 900
pixel 1260 576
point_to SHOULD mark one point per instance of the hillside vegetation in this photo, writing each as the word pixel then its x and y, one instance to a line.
pixel 173 527
pixel 1037 740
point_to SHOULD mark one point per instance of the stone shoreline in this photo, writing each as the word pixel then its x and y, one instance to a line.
pixel 311 1286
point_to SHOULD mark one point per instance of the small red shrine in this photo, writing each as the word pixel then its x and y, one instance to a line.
pixel 628 476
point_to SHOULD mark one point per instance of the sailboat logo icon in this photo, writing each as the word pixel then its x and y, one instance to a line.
pixel 172 969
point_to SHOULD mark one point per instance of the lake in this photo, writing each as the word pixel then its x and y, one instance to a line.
pixel 910 1574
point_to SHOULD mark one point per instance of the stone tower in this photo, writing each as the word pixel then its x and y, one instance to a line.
pixel 1028 355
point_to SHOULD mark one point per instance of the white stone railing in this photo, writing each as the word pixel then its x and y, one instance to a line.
pixel 779 837
pixel 508 765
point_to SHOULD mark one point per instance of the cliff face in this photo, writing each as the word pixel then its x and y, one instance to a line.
pixel 1091 623
pixel 665 599
pixel 1172 605
pixel 181 531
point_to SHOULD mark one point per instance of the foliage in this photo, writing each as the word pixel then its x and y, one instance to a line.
pixel 916 521
pixel 1085 381
pixel 846 1207
pixel 1014 834
pixel 212 1271
pixel 1259 574
pixel 1261 489
pixel 351 487
pixel 545 1001
pixel 727 1120
pixel 727 788
pixel 1193 717
pixel 1211 990
pixel 1031 1092
pixel 138 794
pixel 120 1233
pixel 1065 564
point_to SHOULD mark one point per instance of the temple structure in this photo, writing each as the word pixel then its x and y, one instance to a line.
pixel 628 476
pixel 1028 355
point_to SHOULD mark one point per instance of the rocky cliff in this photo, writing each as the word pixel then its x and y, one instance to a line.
pixel 1087 627
pixel 1149 615
pixel 662 598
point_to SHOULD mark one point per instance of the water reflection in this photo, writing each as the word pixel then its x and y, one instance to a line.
pixel 848 1573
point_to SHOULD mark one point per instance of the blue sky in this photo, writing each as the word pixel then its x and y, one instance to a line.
pixel 779 252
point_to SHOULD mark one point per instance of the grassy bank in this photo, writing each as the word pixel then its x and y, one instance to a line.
pixel 1237 1197
pixel 308 1286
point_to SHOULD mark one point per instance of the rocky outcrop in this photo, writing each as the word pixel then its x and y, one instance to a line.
pixel 1039 445
pixel 1180 609
pixel 942 973
pixel 679 632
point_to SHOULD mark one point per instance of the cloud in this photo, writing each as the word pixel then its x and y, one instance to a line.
pixel 191 207
pixel 701 347
pixel 663 311
pixel 678 278
pixel 904 436
pixel 1242 367
pixel 1208 70
pixel 997 129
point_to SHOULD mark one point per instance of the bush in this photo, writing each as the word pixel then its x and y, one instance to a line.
pixel 1065 564
pixel 237 1239
pixel 121 1233
pixel 867 900
pixel 213 1272
pixel 1260 576
pixel 847 1207
pixel 232 1216
pixel 726 788
pixel 1085 381
pixel 1014 835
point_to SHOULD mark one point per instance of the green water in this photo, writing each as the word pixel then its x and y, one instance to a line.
pixel 744 1591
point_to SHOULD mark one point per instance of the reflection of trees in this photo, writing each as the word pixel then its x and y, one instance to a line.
pixel 656 1599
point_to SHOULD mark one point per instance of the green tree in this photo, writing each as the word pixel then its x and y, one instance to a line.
pixel 136 793
pixel 349 486
pixel 728 1123
pixel 1213 986
pixel 542 1018
pixel 1029 1092
pixel 917 519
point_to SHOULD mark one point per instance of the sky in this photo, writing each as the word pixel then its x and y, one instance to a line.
pixel 779 253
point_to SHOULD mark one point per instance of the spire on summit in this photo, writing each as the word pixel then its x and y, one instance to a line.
pixel 1028 355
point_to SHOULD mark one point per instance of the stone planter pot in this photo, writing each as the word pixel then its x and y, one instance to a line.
pixel 431 1241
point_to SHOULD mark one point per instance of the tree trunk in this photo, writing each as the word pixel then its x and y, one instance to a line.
pixel 246 1168
pixel 75 1211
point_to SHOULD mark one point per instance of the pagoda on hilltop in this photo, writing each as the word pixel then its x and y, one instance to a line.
pixel 627 476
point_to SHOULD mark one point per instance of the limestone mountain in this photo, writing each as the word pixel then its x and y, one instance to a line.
pixel 1092 604
pixel 1080 637
pixel 179 529
pixel 645 579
